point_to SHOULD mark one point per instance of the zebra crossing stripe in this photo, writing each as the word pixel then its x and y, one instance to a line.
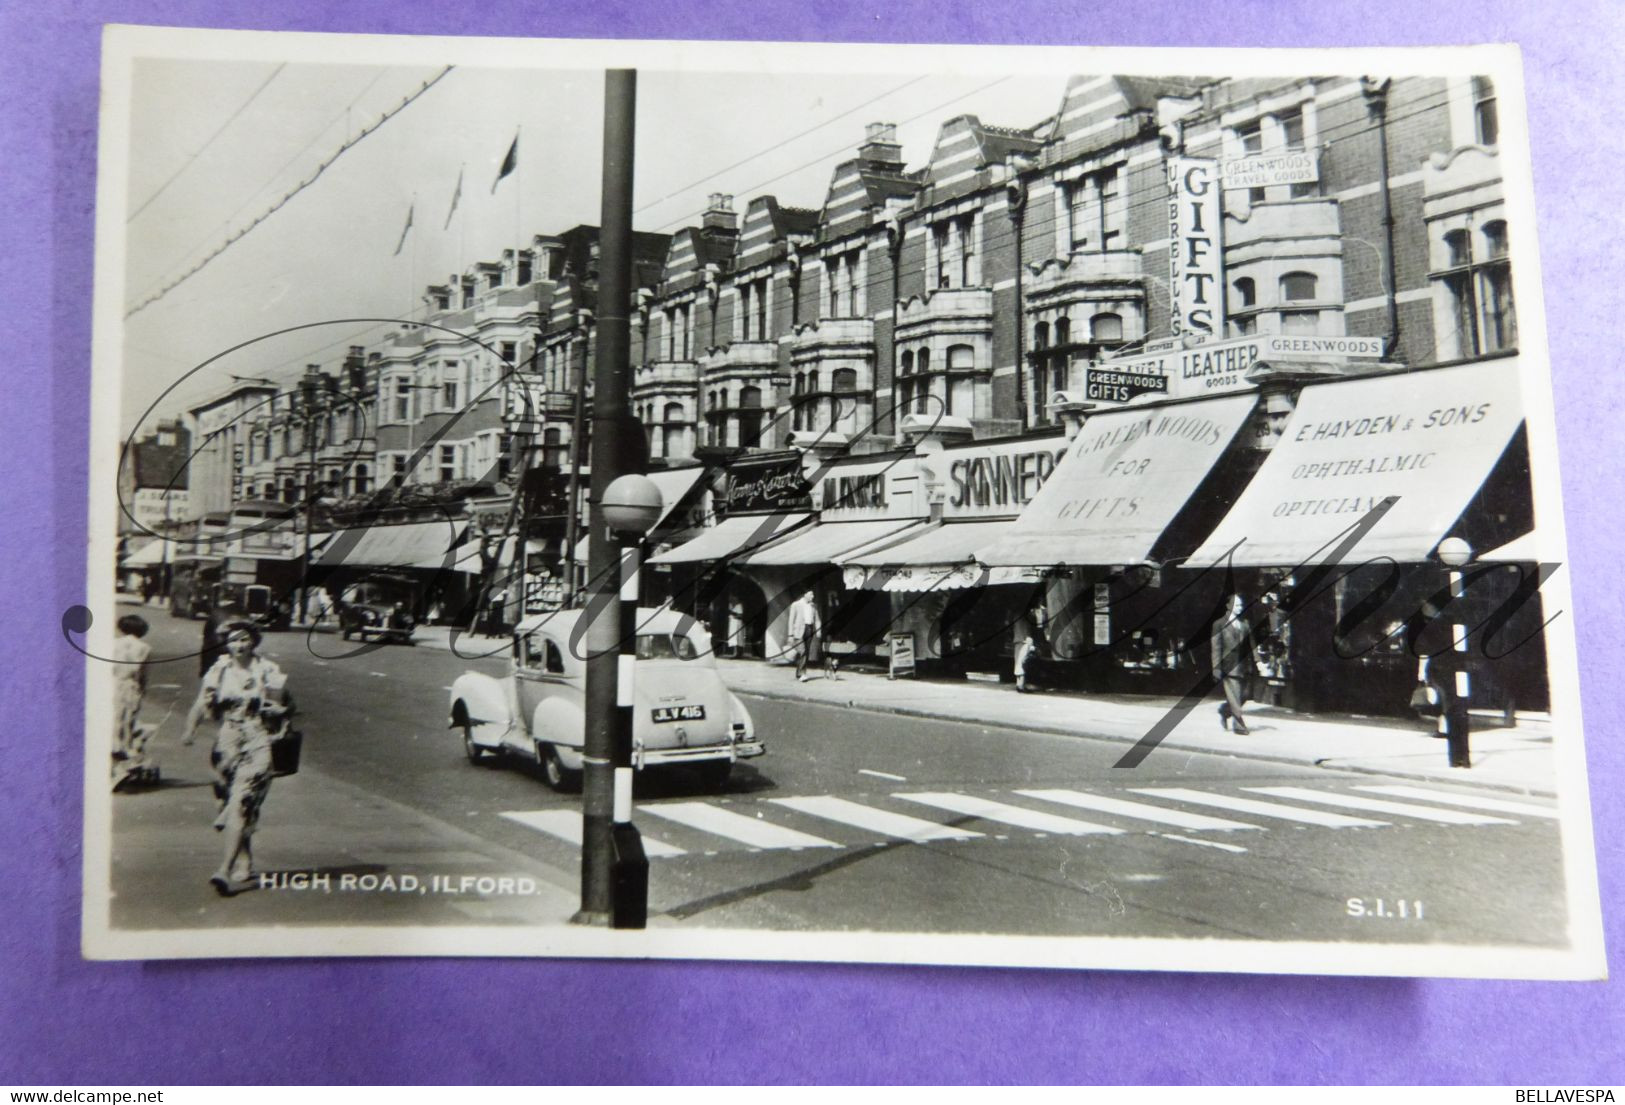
pixel 746 830
pixel 1138 810
pixel 876 821
pixel 1474 801
pixel 1263 809
pixel 1377 805
pixel 566 825
pixel 1036 820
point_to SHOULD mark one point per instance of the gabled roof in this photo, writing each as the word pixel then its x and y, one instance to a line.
pixel 857 190
pixel 766 227
pixel 965 146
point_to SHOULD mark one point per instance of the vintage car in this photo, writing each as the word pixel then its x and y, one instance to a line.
pixel 377 606
pixel 684 714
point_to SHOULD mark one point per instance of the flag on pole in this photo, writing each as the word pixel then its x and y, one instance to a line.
pixel 405 230
pixel 509 163
pixel 455 196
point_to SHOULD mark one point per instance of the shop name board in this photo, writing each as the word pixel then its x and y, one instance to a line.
pixel 1116 386
pixel 1223 364
pixel 1196 250
pixel 865 492
pixel 153 509
pixel 775 486
pixel 1264 170
pixel 999 481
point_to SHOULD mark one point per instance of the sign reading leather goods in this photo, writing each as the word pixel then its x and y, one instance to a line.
pixel 1195 249
pixel 1223 365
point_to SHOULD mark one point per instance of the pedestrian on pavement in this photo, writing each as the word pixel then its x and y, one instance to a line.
pixel 1232 661
pixel 1029 636
pixel 805 627
pixel 130 655
pixel 247 695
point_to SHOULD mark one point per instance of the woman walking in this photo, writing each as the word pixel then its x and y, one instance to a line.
pixel 247 695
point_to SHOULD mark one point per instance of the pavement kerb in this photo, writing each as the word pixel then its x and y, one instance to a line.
pixel 1326 762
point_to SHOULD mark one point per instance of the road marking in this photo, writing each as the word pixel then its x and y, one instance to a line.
pixel 898 825
pixel 1377 805
pixel 883 775
pixel 379 674
pixel 1204 843
pixel 1009 815
pixel 166 686
pixel 1476 801
pixel 566 825
pixel 1263 809
pixel 734 826
pixel 1138 810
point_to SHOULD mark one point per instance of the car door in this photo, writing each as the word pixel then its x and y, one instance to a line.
pixel 539 673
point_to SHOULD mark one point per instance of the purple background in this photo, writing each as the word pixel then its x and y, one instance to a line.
pixel 67 1021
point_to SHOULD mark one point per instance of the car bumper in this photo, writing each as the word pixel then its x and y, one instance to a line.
pixel 658 757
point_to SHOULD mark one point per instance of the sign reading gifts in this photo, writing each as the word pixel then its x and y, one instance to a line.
pixel 1195 249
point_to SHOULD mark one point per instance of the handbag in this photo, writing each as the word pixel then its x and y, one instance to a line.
pixel 1425 699
pixel 285 748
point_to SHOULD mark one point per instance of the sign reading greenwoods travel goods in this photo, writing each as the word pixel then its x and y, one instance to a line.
pixel 1294 167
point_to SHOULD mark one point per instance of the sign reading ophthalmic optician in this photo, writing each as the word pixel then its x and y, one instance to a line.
pixel 1195 249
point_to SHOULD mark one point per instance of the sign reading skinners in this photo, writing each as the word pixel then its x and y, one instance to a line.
pixel 1195 249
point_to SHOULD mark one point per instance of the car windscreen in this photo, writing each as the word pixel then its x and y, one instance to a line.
pixel 665 646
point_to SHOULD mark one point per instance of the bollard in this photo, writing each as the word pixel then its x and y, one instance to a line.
pixel 629 878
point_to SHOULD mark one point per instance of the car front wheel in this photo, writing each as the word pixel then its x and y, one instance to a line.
pixel 559 777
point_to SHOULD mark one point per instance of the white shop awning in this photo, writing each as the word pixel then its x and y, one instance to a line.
pixel 730 536
pixel 1426 439
pixel 1122 481
pixel 827 542
pixel 941 558
pixel 417 544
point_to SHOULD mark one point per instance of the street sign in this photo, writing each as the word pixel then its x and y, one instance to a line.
pixel 1111 386
pixel 902 654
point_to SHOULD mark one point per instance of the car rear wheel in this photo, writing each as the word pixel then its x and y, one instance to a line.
pixel 559 777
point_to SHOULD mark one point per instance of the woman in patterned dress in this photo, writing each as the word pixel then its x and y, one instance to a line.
pixel 246 694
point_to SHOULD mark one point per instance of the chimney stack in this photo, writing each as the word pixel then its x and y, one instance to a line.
pixel 719 213
pixel 880 148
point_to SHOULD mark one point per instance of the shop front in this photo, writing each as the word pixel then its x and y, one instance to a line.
pixel 1137 488
pixel 1362 531
pixel 960 617
pixel 423 555
pixel 859 504
pixel 763 498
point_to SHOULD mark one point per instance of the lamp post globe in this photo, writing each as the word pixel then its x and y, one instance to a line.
pixel 632 505
pixel 1455 552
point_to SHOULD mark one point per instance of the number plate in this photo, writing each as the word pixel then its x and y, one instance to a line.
pixel 678 713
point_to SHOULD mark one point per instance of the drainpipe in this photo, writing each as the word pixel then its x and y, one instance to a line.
pixel 1376 102
pixel 1016 200
pixel 894 247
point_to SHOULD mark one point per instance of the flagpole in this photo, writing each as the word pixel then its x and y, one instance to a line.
pixel 412 272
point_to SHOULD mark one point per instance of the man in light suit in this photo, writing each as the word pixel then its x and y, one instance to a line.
pixel 1232 661
pixel 804 629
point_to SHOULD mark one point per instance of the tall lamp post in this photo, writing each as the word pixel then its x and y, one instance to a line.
pixel 631 506
pixel 311 388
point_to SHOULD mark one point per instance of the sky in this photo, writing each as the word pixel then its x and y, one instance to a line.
pixel 214 143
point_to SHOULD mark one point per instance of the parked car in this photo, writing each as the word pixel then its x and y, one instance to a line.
pixel 379 606
pixel 683 713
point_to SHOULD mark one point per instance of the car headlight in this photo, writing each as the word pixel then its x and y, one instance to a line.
pixel 368 617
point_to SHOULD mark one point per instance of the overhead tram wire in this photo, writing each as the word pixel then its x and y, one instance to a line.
pixel 349 144
pixel 229 219
pixel 221 129
pixel 1355 127
pixel 780 144
pixel 832 153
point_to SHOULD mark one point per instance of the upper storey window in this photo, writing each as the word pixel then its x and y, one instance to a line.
pixel 955 261
pixel 1097 211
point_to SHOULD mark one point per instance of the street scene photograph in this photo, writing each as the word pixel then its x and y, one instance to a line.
pixel 1077 508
